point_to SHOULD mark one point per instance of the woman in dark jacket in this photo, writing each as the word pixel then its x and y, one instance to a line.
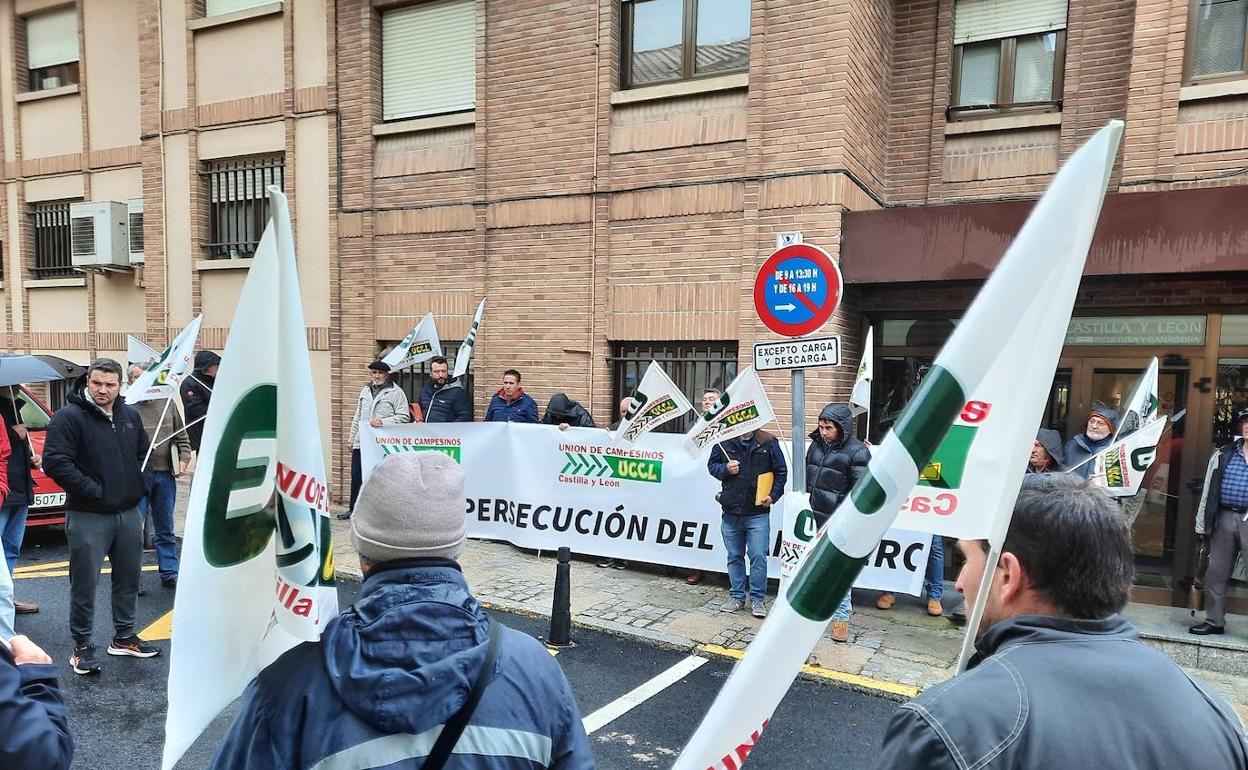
pixel 835 460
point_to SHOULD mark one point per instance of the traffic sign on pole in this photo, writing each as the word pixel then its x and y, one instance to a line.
pixel 797 290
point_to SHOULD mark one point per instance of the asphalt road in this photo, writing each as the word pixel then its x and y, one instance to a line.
pixel 117 718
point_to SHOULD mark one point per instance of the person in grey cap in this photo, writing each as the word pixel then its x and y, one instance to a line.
pixel 415 671
pixel 1046 452
pixel 381 402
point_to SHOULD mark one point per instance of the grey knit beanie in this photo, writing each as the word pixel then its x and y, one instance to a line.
pixel 411 506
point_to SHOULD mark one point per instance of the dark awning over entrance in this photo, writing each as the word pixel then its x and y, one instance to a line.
pixel 1183 231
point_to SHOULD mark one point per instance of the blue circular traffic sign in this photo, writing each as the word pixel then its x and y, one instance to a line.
pixel 797 290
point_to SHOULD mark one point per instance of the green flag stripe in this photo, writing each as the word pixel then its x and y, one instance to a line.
pixel 929 414
pixel 828 574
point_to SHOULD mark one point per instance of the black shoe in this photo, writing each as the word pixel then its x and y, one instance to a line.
pixel 133 646
pixel 1205 629
pixel 83 660
pixel 344 515
pixel 169 582
pixel 604 563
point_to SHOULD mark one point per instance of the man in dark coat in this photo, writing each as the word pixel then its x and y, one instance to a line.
pixel 21 488
pixel 511 403
pixel 738 463
pixel 34 729
pixel 1225 524
pixel 1059 678
pixel 196 392
pixel 444 399
pixel 1095 438
pixel 392 672
pixel 835 460
pixel 565 412
pixel 94 450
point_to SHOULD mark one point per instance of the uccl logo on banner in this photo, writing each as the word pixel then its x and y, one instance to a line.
pixel 742 413
pixel 654 413
pixel 449 447
pixel 241 513
pixel 599 466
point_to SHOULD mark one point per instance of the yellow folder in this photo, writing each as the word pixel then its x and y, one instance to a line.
pixel 765 480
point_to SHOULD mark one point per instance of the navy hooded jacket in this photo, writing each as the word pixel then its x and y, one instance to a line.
pixel 1080 448
pixel 391 670
pixel 34 731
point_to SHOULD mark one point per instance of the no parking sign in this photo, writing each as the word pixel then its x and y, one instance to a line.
pixel 797 290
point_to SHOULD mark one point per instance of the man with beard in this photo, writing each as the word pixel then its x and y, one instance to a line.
pixel 444 399
pixel 1094 439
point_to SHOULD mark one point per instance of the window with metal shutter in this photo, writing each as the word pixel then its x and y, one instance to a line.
pixel 990 19
pixel 52 38
pixel 220 7
pixel 428 59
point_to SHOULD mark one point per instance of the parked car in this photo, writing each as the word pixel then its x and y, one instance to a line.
pixel 49 505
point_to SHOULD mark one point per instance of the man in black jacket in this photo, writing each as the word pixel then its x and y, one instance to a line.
pixel 196 392
pixel 835 460
pixel 95 448
pixel 565 412
pixel 1226 524
pixel 1059 678
pixel 746 524
pixel 444 399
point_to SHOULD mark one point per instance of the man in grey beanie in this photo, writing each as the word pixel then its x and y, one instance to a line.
pixel 415 659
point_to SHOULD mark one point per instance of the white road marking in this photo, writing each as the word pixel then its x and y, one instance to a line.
pixel 627 702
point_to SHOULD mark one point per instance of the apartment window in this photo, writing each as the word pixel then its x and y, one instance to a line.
pixel 220 7
pixel 693 366
pixel 52 49
pixel 414 378
pixel 1217 43
pixel 238 208
pixel 671 40
pixel 51 235
pixel 1008 55
pixel 429 59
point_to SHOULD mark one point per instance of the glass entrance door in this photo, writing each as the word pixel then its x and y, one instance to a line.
pixel 1161 532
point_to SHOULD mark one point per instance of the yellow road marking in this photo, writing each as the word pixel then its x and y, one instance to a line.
pixel 553 652
pixel 40 567
pixel 161 628
pixel 65 572
pixel 856 680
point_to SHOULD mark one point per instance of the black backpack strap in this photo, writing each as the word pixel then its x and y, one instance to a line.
pixel 454 726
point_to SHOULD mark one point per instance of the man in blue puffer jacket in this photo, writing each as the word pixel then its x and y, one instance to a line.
pixel 511 403
pixel 392 670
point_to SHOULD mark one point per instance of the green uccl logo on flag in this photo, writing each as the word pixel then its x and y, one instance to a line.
pixel 610 467
pixel 452 452
pixel 806 526
pixel 654 413
pixel 745 413
pixel 947 466
pixel 1113 469
pixel 420 348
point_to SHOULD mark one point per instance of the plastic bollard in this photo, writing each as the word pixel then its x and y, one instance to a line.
pixel 561 608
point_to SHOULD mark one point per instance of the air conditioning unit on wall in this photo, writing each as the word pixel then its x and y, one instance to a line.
pixel 134 210
pixel 99 234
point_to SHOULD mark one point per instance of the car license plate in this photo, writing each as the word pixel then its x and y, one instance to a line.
pixel 49 500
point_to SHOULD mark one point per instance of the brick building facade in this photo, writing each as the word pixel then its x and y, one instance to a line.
pixel 611 173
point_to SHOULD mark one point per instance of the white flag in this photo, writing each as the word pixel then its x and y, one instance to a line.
pixel 741 409
pixel 1042 267
pixel 257 568
pixel 1142 405
pixel 465 350
pixel 139 352
pixel 420 344
pixel 1121 467
pixel 656 401
pixel 860 396
pixel 161 378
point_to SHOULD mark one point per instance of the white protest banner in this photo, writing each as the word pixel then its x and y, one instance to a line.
pixel 1042 267
pixel 860 396
pixel 420 344
pixel 1121 467
pixel 1142 404
pixel 741 409
pixel 539 487
pixel 139 352
pixel 470 342
pixel 160 379
pixel 897 564
pixel 656 401
pixel 257 569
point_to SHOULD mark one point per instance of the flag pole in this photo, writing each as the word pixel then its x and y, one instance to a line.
pixel 180 430
pixel 977 611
